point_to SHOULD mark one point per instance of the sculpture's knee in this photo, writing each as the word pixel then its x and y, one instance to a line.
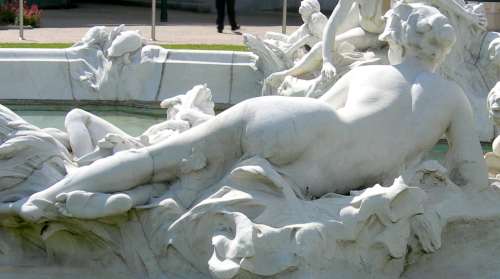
pixel 75 115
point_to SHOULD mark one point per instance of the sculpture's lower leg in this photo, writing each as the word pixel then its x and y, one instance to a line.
pixel 117 173
pixel 85 129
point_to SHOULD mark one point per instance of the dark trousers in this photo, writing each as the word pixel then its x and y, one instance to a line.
pixel 220 5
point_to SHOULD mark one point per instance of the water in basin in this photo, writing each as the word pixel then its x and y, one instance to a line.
pixel 133 121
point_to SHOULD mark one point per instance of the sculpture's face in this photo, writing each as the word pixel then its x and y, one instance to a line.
pixel 493 103
pixel 305 11
pixel 307 8
pixel 96 36
pixel 435 36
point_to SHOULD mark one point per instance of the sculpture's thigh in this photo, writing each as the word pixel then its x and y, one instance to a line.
pixel 213 143
pixel 359 38
pixel 96 128
pixel 282 138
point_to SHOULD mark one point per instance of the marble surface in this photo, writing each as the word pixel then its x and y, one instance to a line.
pixel 352 38
pixel 278 52
pixel 273 187
pixel 116 65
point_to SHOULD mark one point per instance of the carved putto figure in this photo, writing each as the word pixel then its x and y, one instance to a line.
pixel 352 29
pixel 277 51
pixel 108 47
pixel 470 63
pixel 92 138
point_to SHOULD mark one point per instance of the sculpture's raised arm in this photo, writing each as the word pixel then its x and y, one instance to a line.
pixel 337 18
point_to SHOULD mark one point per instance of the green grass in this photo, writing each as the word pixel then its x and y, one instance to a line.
pixel 171 46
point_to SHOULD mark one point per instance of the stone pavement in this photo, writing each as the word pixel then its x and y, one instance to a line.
pixel 69 25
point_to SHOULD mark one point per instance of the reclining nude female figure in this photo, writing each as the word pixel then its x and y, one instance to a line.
pixel 373 123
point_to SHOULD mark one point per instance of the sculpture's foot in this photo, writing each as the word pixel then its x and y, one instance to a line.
pixel 86 205
pixel 34 210
pixel 428 231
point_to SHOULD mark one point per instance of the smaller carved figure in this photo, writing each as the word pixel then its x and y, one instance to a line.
pixel 105 54
pixel 92 137
pixel 353 26
pixel 277 51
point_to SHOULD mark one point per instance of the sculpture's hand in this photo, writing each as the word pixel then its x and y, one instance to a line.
pixel 86 205
pixel 328 71
pixel 428 231
pixel 170 102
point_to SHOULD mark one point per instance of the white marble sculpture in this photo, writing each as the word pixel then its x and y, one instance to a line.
pixel 277 51
pixel 92 138
pixel 259 127
pixel 107 54
pixel 279 187
pixel 350 41
pixel 31 159
pixel 352 29
pixel 115 65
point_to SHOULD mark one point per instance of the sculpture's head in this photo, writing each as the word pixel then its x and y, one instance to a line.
pixel 493 103
pixel 309 7
pixel 418 30
pixel 125 42
pixel 200 97
pixel 97 36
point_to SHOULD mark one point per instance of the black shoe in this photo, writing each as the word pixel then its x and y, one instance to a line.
pixel 235 28
pixel 219 29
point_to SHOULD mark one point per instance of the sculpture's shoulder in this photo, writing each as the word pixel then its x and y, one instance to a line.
pixel 447 91
pixel 439 85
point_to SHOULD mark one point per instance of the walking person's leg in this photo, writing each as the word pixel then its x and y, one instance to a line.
pixel 232 15
pixel 220 6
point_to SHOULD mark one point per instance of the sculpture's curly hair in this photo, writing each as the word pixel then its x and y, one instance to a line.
pixel 421 28
pixel 313 5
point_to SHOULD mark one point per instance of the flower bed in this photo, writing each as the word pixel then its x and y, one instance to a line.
pixel 10 10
